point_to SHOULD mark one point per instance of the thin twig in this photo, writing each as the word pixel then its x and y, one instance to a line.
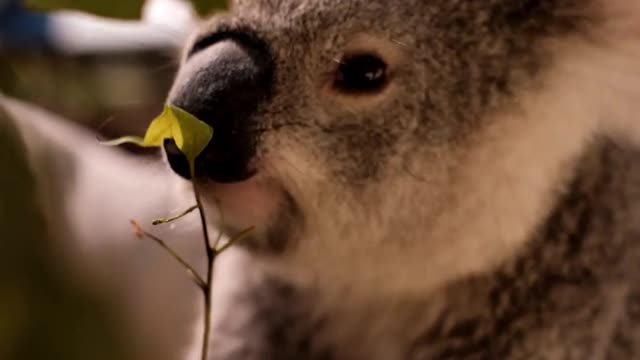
pixel 207 311
pixel 211 251
pixel 203 220
pixel 241 236
pixel 174 218
pixel 220 225
pixel 207 290
pixel 190 270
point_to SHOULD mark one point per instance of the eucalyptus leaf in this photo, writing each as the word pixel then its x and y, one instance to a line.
pixel 190 134
pixel 130 9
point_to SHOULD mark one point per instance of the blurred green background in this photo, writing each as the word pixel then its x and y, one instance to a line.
pixel 43 314
pixel 126 9
pixel 113 93
pixel 129 9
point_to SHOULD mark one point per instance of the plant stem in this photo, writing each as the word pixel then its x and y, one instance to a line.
pixel 220 225
pixel 234 240
pixel 207 312
pixel 205 230
pixel 211 254
pixel 176 217
pixel 190 270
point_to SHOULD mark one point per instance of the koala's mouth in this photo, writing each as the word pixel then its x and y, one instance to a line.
pixel 258 203
pixel 224 81
pixel 247 197
pixel 224 164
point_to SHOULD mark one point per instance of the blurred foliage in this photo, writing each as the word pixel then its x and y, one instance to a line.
pixel 126 9
pixel 204 7
pixel 43 314
pixel 115 95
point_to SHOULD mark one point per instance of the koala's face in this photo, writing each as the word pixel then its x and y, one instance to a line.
pixel 380 143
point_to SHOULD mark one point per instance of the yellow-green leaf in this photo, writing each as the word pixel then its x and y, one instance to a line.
pixel 190 134
pixel 162 128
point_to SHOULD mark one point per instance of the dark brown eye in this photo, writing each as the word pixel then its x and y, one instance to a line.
pixel 361 74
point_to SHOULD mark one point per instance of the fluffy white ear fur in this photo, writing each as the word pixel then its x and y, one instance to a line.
pixel 101 189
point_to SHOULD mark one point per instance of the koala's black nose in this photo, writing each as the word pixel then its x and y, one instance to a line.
pixel 223 82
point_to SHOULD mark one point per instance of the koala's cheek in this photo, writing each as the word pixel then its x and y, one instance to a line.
pixel 249 203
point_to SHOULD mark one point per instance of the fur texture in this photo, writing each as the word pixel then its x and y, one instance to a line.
pixel 484 205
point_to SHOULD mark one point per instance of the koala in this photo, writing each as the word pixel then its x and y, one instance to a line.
pixel 436 179
pixel 426 179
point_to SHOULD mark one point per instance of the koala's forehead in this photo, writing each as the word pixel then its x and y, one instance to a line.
pixel 437 31
pixel 417 15
pixel 313 17
pixel 450 39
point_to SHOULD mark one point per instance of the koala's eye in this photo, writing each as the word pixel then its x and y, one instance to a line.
pixel 361 74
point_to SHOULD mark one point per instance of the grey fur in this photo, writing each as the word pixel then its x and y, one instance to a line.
pixel 571 294
pixel 476 52
pixel 384 246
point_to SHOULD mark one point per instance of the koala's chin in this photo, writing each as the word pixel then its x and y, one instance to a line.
pixel 257 203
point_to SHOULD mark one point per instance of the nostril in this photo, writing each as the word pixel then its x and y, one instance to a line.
pixel 178 162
